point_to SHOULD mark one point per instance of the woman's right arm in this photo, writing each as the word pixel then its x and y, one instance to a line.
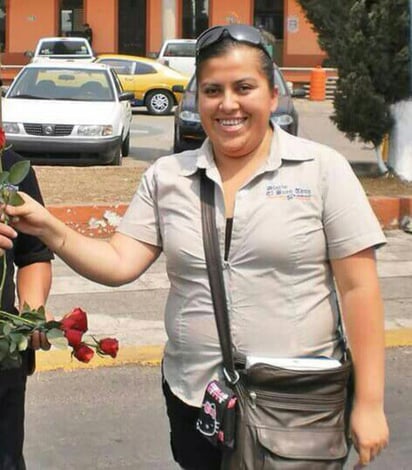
pixel 117 261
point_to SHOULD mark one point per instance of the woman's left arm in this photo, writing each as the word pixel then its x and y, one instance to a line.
pixel 362 309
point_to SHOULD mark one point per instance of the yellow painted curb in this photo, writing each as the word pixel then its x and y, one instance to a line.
pixel 57 359
pixel 152 355
pixel 398 337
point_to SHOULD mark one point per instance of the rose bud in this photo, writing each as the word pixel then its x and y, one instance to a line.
pixel 74 337
pixel 109 346
pixel 83 353
pixel 75 320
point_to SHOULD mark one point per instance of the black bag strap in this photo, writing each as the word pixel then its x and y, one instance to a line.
pixel 215 274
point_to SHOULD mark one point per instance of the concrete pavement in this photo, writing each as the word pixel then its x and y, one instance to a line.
pixel 134 313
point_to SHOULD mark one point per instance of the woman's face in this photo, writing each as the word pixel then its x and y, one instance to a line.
pixel 235 102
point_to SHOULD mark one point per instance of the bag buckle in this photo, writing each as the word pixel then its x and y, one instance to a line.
pixel 231 380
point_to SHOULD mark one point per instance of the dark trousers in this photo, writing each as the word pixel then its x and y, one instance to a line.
pixel 12 395
pixel 190 449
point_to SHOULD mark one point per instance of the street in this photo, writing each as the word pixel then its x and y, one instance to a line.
pixel 115 418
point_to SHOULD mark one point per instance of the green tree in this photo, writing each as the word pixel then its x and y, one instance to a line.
pixel 367 41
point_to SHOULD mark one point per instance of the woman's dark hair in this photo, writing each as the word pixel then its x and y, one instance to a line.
pixel 223 46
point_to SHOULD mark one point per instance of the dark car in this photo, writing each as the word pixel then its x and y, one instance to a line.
pixel 188 130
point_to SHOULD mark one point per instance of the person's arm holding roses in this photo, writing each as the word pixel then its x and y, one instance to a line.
pixel 114 262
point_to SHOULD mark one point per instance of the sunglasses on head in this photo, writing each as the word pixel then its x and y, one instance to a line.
pixel 238 32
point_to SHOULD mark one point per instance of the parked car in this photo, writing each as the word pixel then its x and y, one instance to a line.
pixel 179 54
pixel 188 130
pixel 66 48
pixel 68 111
pixel 150 81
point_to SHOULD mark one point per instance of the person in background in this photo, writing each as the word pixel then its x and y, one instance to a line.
pixel 291 217
pixel 88 32
pixel 33 280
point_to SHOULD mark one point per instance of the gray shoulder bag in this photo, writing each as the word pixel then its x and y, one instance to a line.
pixel 285 419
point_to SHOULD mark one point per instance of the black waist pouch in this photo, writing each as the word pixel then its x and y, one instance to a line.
pixel 217 415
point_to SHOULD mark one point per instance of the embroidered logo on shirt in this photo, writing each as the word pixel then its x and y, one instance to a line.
pixel 283 191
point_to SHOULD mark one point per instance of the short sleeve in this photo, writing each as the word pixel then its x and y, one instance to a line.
pixel 349 222
pixel 141 220
pixel 27 248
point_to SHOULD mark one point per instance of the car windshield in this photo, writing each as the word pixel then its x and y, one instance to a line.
pixel 65 47
pixel 181 49
pixel 279 82
pixel 62 84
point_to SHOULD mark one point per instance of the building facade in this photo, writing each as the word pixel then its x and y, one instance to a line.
pixel 140 26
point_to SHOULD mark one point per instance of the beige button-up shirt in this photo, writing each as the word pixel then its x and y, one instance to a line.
pixel 301 208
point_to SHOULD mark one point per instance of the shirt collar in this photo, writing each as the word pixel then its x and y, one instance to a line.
pixel 283 147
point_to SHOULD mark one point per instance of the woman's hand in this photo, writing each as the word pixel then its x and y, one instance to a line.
pixel 31 217
pixel 370 432
pixel 38 340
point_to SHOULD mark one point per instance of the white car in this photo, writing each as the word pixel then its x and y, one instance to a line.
pixel 179 54
pixel 62 48
pixel 68 110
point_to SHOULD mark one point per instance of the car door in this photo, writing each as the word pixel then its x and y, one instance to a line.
pixel 125 106
pixel 145 78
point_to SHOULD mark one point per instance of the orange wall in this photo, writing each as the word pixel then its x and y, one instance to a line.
pixel 154 26
pixel 224 12
pixel 303 42
pixel 102 17
pixel 28 22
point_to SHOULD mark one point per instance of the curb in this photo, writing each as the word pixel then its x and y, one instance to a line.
pixel 152 355
pixel 100 220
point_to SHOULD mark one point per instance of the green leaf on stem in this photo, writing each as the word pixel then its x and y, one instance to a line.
pixel 19 171
pixel 15 199
pixel 52 324
pixel 57 339
pixel 26 308
pixel 12 346
pixel 20 341
pixel 4 176
pixel 36 316
pixel 6 329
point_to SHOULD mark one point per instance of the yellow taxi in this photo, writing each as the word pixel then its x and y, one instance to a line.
pixel 150 81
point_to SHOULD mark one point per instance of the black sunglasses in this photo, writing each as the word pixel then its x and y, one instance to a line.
pixel 238 32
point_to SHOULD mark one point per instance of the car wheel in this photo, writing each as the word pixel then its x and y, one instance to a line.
pixel 117 160
pixel 126 145
pixel 159 102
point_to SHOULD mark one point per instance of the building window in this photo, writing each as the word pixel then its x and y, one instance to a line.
pixel 71 18
pixel 268 15
pixel 2 25
pixel 195 17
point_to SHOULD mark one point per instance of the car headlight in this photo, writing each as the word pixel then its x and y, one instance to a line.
pixel 189 116
pixel 283 119
pixel 11 128
pixel 92 131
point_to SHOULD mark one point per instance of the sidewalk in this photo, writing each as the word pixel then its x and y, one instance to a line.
pixel 134 313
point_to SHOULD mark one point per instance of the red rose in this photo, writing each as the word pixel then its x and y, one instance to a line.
pixel 74 337
pixel 2 138
pixel 83 353
pixel 75 320
pixel 109 346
